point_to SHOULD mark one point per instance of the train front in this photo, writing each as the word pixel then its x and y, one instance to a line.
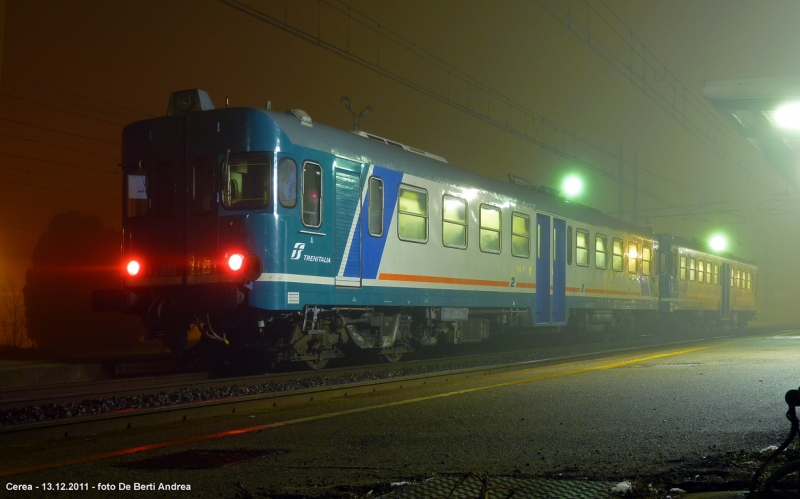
pixel 195 187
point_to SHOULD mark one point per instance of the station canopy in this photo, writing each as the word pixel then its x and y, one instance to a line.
pixel 759 108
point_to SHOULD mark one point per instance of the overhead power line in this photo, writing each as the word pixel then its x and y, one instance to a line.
pixel 61 109
pixel 452 86
pixel 74 94
pixel 61 131
pixel 616 43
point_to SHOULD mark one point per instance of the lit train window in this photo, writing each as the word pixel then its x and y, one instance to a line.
pixel 203 195
pixel 375 215
pixel 600 251
pixel 716 273
pixel 287 182
pixel 490 229
pixel 647 258
pixel 633 257
pixel 692 269
pixel 412 214
pixel 683 268
pixel 312 195
pixel 136 201
pixel 246 181
pixel 708 272
pixel 454 222
pixel 520 235
pixel 616 256
pixel 582 248
pixel 701 272
pixel 738 278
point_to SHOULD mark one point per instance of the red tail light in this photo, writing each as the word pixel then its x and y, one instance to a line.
pixel 133 268
pixel 235 261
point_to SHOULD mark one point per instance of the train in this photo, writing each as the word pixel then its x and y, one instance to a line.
pixel 270 231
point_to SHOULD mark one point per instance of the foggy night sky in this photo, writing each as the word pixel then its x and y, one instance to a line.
pixel 78 71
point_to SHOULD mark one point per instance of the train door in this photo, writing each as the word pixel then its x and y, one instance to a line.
pixel 161 235
pixel 347 224
pixel 725 282
pixel 559 271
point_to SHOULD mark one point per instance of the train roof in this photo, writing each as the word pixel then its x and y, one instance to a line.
pixel 303 132
pixel 701 246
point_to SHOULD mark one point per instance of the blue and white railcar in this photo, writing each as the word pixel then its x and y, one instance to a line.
pixel 270 230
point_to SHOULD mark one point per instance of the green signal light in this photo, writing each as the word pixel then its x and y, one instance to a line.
pixel 718 243
pixel 573 186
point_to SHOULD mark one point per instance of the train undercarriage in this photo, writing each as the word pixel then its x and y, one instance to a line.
pixel 317 334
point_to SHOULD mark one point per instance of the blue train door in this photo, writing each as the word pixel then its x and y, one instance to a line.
pixel 347 223
pixel 725 282
pixel 543 243
pixel 559 271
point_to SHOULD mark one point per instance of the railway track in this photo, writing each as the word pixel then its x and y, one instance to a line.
pixel 296 387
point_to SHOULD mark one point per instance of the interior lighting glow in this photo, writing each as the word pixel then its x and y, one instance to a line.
pixel 718 243
pixel 133 268
pixel 573 185
pixel 632 253
pixel 788 116
pixel 235 261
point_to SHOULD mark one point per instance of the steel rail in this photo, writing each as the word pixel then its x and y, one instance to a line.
pixel 62 428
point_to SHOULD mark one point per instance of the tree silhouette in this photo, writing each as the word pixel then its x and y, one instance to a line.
pixel 74 256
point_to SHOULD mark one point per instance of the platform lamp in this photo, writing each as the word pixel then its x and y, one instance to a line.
pixel 349 107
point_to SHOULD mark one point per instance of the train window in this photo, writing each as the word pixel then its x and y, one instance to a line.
pixel 633 257
pixel 716 273
pixel 203 185
pixel 164 196
pixel 375 213
pixel 683 268
pixel 748 280
pixel 738 278
pixel 582 248
pixel 701 272
pixel 136 202
pixel 520 235
pixel 454 222
pixel 708 272
pixel 647 258
pixel 287 182
pixel 412 214
pixel 312 195
pixel 662 263
pixel 246 181
pixel 600 251
pixel 692 269
pixel 569 245
pixel 616 256
pixel 490 229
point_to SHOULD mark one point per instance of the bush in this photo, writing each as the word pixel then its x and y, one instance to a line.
pixel 74 256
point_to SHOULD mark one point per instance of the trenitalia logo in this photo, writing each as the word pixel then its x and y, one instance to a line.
pixel 297 252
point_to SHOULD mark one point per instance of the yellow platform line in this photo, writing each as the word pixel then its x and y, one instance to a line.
pixel 328 415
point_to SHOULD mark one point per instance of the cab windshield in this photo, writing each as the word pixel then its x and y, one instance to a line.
pixel 246 181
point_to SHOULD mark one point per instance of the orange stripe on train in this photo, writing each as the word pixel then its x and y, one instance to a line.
pixel 451 280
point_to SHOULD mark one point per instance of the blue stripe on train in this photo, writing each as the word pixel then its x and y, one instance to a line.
pixel 373 246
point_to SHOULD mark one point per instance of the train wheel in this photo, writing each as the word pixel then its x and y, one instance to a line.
pixel 390 358
pixel 317 364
